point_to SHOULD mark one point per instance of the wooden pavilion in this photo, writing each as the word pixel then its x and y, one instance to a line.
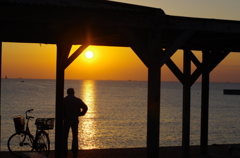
pixel 152 35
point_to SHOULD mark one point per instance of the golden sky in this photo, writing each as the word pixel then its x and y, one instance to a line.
pixel 38 61
pixel 112 63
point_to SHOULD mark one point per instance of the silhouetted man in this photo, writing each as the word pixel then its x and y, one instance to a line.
pixel 73 108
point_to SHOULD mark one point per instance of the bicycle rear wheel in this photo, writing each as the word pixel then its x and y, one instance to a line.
pixel 19 142
pixel 42 143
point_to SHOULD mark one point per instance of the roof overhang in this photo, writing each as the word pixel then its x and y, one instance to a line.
pixel 98 23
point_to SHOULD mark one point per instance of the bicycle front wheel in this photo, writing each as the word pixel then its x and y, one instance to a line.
pixel 42 143
pixel 19 142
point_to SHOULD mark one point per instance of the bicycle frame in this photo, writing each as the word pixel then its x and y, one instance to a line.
pixel 28 118
pixel 40 142
pixel 27 126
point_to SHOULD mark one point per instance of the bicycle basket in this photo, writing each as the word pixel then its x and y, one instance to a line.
pixel 19 123
pixel 44 123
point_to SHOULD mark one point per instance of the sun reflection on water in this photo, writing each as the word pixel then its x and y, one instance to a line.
pixel 87 125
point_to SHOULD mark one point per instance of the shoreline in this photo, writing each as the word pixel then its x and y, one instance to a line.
pixel 214 151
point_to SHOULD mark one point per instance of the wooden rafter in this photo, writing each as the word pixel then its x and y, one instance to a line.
pixel 219 57
pixel 179 41
pixel 212 60
pixel 195 59
pixel 75 55
pixel 176 71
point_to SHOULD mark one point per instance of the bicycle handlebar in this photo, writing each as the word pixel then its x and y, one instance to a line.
pixel 29 117
pixel 30 110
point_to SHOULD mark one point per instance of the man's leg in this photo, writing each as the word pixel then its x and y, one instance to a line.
pixel 75 137
pixel 65 136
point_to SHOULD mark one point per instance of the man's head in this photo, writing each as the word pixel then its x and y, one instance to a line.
pixel 70 91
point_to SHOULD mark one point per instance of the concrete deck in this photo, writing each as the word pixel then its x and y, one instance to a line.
pixel 215 151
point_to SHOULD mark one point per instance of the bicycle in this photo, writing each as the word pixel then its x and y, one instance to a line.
pixel 23 140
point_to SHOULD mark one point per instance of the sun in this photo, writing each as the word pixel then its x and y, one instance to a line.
pixel 89 54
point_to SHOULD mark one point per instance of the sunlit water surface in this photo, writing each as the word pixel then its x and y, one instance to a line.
pixel 118 111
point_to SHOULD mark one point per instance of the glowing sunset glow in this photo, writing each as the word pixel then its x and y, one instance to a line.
pixel 89 54
pixel 36 61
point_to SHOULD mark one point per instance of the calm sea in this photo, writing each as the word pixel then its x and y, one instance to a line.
pixel 118 111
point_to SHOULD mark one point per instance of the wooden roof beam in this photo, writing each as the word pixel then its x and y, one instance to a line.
pixel 200 24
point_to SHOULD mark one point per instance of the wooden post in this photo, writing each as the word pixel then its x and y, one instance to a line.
pixel 62 53
pixel 204 109
pixel 186 105
pixel 153 118
pixel 0 91
pixel 151 57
